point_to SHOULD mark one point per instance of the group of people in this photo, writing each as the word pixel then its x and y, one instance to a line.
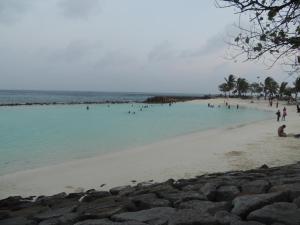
pixel 284 114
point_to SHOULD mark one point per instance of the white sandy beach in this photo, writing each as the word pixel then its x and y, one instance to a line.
pixel 238 147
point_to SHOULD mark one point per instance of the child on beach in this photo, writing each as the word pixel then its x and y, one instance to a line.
pixel 278 115
pixel 284 114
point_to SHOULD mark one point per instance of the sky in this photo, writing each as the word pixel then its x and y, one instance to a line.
pixel 119 45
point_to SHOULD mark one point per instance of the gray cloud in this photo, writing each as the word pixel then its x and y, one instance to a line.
pixel 162 52
pixel 11 10
pixel 212 45
pixel 79 9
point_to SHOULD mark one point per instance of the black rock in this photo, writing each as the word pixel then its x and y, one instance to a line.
pixel 264 167
pixel 107 222
pixel 191 217
pixel 226 218
pixel 147 201
pixel 210 191
pixel 246 223
pixel 117 190
pixel 292 189
pixel 227 193
pixel 182 196
pixel 282 212
pixel 4 214
pixel 256 187
pixel 297 201
pixel 245 204
pixel 155 214
pixel 54 213
pixel 91 196
pixel 205 206
pixel 101 208
pixel 17 221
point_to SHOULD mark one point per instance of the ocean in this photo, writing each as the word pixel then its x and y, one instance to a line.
pixel 37 136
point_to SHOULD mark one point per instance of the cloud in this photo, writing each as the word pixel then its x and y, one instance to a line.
pixel 162 52
pixel 74 52
pixel 11 10
pixel 79 9
pixel 212 45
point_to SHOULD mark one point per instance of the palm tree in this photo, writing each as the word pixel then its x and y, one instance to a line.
pixel 230 81
pixel 297 87
pixel 224 88
pixel 256 88
pixel 242 86
pixel 282 88
pixel 270 87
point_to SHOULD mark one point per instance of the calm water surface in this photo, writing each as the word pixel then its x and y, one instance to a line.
pixel 35 136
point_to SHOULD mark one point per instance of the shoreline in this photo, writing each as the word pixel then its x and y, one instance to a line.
pixel 185 156
pixel 157 99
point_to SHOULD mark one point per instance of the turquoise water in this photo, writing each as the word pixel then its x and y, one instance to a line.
pixel 36 136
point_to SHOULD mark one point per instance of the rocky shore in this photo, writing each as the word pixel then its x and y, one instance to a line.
pixel 151 100
pixel 269 196
pixel 173 99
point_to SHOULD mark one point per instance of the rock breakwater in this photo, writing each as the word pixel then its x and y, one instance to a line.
pixel 269 196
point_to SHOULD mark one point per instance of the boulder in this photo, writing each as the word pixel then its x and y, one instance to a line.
pixel 292 189
pixel 256 187
pixel 107 222
pixel 205 206
pixel 17 221
pixel 101 208
pixel 245 204
pixel 182 196
pixel 94 195
pixel 154 215
pixel 4 214
pixel 281 212
pixel 226 218
pixel 156 188
pixel 227 193
pixel 147 201
pixel 246 223
pixel 210 191
pixel 117 190
pixel 53 213
pixel 297 201
pixel 53 221
pixel 10 202
pixel 191 217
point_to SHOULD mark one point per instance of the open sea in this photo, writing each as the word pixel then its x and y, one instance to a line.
pixel 36 136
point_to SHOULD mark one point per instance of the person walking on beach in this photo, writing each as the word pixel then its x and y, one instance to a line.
pixel 284 114
pixel 278 115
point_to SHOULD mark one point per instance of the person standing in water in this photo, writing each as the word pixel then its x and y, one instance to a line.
pixel 284 114
pixel 278 115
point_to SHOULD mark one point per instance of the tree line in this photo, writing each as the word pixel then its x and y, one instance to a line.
pixel 268 88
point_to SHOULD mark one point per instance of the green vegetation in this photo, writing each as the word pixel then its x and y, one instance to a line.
pixel 273 29
pixel 240 87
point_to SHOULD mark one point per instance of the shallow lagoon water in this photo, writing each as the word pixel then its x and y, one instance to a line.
pixel 36 136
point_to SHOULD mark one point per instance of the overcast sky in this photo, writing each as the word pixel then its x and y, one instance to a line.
pixel 118 45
